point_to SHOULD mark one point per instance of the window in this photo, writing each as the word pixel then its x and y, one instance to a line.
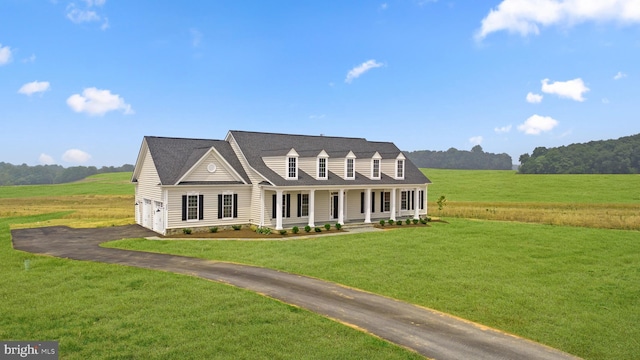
pixel 349 173
pixel 322 168
pixel 292 169
pixel 375 169
pixel 386 201
pixel 404 200
pixel 227 206
pixel 304 204
pixel 400 169
pixel 286 208
pixel 192 207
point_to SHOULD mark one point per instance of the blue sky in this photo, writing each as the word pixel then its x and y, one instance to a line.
pixel 82 81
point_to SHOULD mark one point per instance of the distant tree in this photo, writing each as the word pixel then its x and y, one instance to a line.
pixel 50 174
pixel 459 159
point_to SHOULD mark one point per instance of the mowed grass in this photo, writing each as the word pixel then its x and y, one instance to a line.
pixel 575 289
pixel 102 311
pixel 599 201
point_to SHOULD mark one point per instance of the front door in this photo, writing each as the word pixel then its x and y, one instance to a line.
pixel 334 205
pixel 158 218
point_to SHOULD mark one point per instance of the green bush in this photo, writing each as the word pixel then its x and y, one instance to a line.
pixel 236 227
pixel 327 227
pixel 338 226
pixel 382 222
pixel 399 222
pixel 408 221
pixel 423 221
pixel 186 231
pixel 283 232
pixel 307 228
pixel 295 230
pixel 391 221
pixel 213 229
pixel 415 221
pixel 317 229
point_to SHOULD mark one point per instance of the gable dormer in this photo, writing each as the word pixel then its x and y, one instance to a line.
pixel 350 166
pixel 322 166
pixel 211 167
pixel 291 165
pixel 376 166
pixel 400 167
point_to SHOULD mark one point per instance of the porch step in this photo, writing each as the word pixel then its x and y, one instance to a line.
pixel 359 227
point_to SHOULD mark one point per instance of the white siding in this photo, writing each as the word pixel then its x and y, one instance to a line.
pixel 363 166
pixel 277 164
pixel 308 165
pixel 336 166
pixel 388 167
pixel 147 187
pixel 201 173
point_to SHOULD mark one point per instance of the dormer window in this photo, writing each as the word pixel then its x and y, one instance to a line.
pixel 292 165
pixel 350 166
pixel 400 167
pixel 322 172
pixel 375 166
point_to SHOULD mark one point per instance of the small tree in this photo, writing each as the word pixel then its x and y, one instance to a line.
pixel 442 202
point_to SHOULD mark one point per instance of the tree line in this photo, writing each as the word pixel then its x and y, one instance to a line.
pixel 619 156
pixel 51 174
pixel 476 159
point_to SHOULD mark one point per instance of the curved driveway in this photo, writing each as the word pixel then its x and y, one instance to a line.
pixel 428 332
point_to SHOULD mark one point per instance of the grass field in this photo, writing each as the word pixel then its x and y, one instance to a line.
pixel 600 201
pixel 574 288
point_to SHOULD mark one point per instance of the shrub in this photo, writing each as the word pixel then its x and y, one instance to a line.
pixel 415 221
pixel 391 221
pixel 317 229
pixel 428 218
pixel 399 222
pixel 283 232
pixel 236 227
pixel 295 230
pixel 423 221
pixel 186 231
pixel 307 228
pixel 327 226
pixel 213 229
pixel 382 222
pixel 263 230
pixel 338 226
pixel 408 221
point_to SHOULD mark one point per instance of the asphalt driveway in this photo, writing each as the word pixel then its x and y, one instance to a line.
pixel 428 332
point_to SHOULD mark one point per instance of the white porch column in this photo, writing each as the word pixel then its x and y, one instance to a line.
pixel 367 207
pixel 341 206
pixel 393 205
pixel 278 209
pixel 416 204
pixel 312 207
pixel 261 221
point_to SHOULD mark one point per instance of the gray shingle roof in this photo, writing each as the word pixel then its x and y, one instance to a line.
pixel 255 145
pixel 173 157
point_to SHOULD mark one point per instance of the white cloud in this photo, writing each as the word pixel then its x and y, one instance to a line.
pixel 75 156
pixel 97 102
pixel 196 37
pixel 45 159
pixel 534 98
pixel 502 130
pixel 476 140
pixel 527 16
pixel 572 89
pixel 34 87
pixel 357 71
pixel 619 75
pixel 605 101
pixel 30 59
pixel 5 55
pixel 537 124
pixel 88 13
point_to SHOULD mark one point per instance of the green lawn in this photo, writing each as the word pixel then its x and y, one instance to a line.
pixel 102 184
pixel 575 289
pixel 101 311
pixel 508 186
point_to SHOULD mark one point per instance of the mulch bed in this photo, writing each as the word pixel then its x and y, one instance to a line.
pixel 246 233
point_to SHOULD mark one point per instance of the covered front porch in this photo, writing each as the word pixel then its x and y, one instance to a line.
pixel 285 207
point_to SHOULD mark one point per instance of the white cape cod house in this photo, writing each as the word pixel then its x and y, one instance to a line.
pixel 273 180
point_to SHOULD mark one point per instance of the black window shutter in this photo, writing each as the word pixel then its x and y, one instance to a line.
pixel 299 205
pixel 288 205
pixel 373 202
pixel 413 200
pixel 219 206
pixel 201 207
pixel 184 207
pixel 362 202
pixel 273 206
pixel 235 205
pixel 421 199
pixel 381 201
